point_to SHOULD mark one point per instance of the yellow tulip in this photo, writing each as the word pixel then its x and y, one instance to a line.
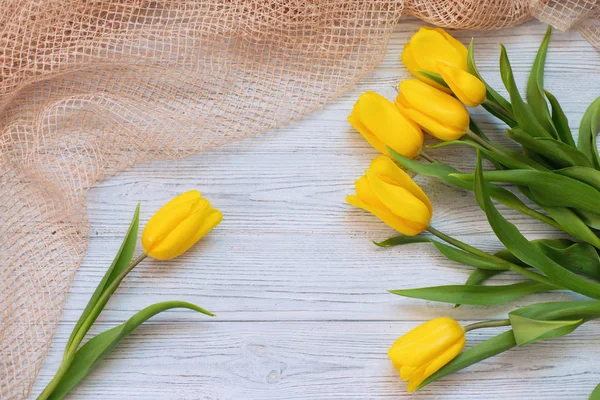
pixel 390 194
pixel 430 46
pixel 427 348
pixel 468 88
pixel 381 124
pixel 435 111
pixel 178 225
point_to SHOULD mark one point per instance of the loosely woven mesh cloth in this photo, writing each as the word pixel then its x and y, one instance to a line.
pixel 90 87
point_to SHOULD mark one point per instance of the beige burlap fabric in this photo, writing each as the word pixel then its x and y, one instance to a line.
pixel 89 87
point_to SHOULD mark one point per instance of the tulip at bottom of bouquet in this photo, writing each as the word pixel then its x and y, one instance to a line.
pixel 435 349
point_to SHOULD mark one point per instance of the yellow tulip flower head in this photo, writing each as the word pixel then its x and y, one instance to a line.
pixel 430 46
pixel 427 348
pixel 390 194
pixel 381 124
pixel 178 225
pixel 468 88
pixel 436 112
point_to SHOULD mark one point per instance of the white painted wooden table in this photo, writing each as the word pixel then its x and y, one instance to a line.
pixel 299 289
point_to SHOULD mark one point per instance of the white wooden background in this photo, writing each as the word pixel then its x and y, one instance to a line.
pixel 298 287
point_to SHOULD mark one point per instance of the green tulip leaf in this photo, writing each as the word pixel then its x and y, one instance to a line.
pixel 489 348
pixel 560 154
pixel 587 175
pixel 507 158
pixel 535 87
pixel 591 219
pixel 479 276
pixel 437 78
pixel 595 394
pixel 548 188
pixel 521 110
pixel 491 94
pixel 100 345
pixel 528 330
pixel 523 249
pixel 588 129
pixel 120 263
pixel 571 223
pixel 449 252
pixel 581 258
pixel 476 295
pixel 561 123
pixel 401 240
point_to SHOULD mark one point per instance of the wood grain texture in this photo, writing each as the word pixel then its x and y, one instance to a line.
pixel 299 289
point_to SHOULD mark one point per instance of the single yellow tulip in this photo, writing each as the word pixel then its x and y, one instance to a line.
pixel 381 124
pixel 435 111
pixel 390 194
pixel 468 88
pixel 430 46
pixel 178 225
pixel 427 348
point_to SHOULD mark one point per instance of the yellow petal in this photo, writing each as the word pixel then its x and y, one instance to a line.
pixel 380 122
pixel 389 171
pixel 188 232
pixel 425 371
pixel 433 127
pixel 369 137
pixel 468 88
pixel 406 371
pixel 400 201
pixel 435 111
pixel 413 67
pixel 429 46
pixel 416 379
pixel 426 342
pixel 167 218
pixel 405 227
pixel 460 48
pixel 445 357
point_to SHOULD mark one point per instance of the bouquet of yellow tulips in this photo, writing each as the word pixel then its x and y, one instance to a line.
pixel 176 227
pixel 552 170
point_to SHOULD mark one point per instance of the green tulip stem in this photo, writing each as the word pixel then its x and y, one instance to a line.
pixel 487 324
pixel 85 327
pixel 482 141
pixel 499 108
pixel 427 157
pixel 473 250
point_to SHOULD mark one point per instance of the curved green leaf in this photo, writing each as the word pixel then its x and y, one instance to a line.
pixel 561 155
pixel 535 87
pixel 571 223
pixel 548 188
pixel 595 394
pixel 561 123
pixel 120 263
pixel 522 111
pixel 518 245
pixel 100 345
pixel 588 129
pixel 449 252
pixel 489 348
pixel 479 276
pixel 528 330
pixel 587 175
pixel 476 295
pixel 401 240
